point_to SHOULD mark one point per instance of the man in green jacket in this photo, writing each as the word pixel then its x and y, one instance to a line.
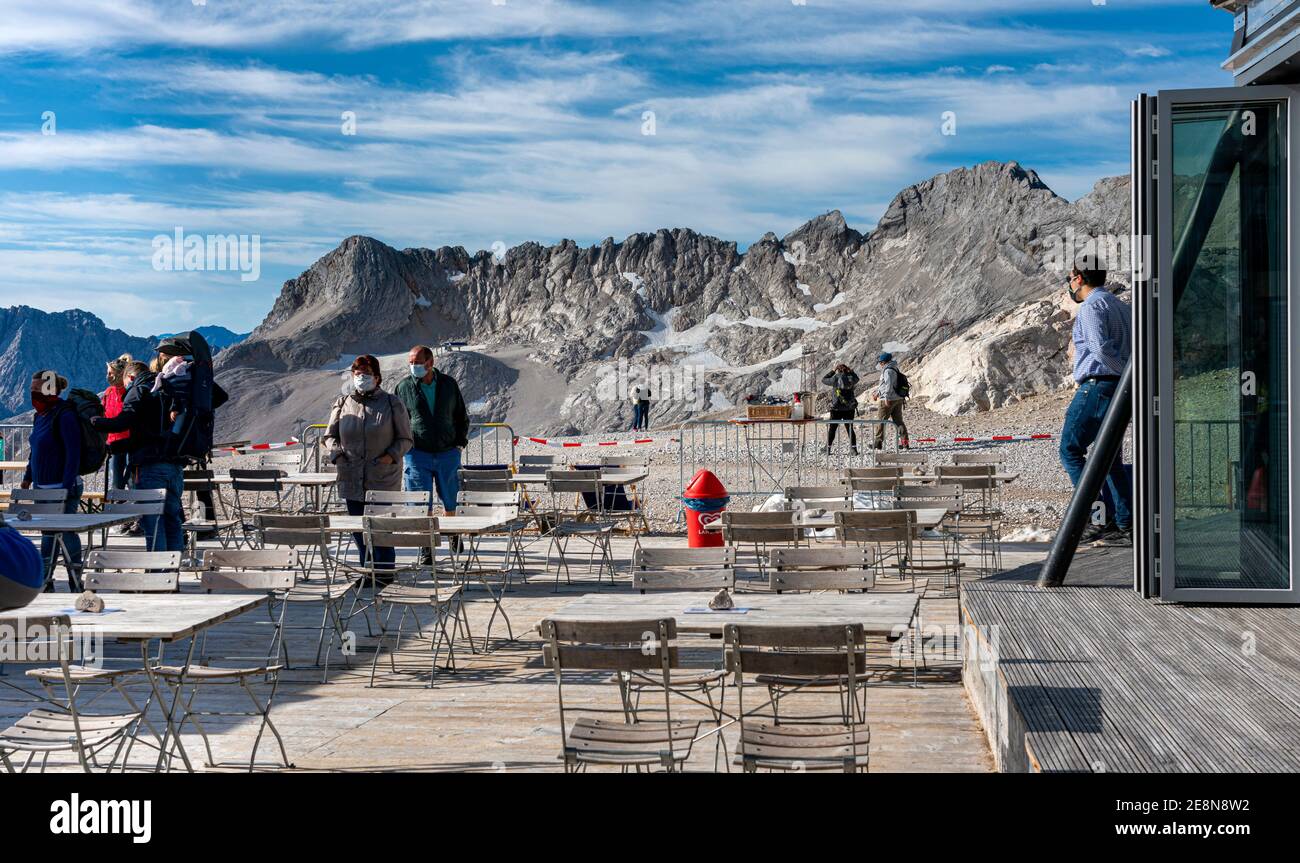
pixel 439 424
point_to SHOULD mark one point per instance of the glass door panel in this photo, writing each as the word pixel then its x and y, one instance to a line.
pixel 1225 327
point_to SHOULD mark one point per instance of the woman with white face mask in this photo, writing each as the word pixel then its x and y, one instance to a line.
pixel 369 432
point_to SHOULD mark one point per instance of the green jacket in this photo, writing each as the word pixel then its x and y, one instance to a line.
pixel 445 427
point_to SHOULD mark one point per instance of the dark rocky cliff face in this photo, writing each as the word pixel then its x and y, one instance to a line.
pixel 959 249
pixel 74 343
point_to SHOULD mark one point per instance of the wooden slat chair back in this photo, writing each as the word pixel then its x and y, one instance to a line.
pixel 684 568
pixel 902 458
pixel 397 509
pixel 626 462
pixel 309 532
pixel 38 495
pixel 830 497
pixel 486 480
pixel 290 461
pixel 832 660
pixel 489 503
pixel 980 491
pixel 260 569
pixel 760 530
pixel 37 501
pixel 647 647
pixel 263 484
pixel 404 498
pixel 913 496
pixel 806 569
pixel 58 724
pixel 128 501
pixel 882 472
pixel 538 464
pixel 876 485
pixel 133 571
pixel 983 458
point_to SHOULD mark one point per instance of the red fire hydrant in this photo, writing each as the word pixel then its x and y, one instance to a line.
pixel 704 500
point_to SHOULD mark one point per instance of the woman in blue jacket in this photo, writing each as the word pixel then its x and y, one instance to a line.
pixel 54 462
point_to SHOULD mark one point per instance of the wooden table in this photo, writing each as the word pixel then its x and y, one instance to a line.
pixel 144 619
pixel 305 480
pixel 59 524
pixel 926 519
pixel 13 465
pixel 887 614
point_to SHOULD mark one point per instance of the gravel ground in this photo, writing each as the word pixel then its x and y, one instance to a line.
pixel 1033 503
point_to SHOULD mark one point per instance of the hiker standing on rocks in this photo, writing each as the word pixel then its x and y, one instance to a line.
pixel 843 382
pixel 639 394
pixel 439 426
pixel 55 462
pixel 889 396
pixel 369 431
pixel 1103 342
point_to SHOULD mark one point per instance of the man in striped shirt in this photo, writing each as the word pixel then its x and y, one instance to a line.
pixel 1103 341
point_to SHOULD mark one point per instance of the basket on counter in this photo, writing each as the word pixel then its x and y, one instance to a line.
pixel 768 412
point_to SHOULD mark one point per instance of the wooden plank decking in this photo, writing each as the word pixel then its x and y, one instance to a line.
pixel 1091 677
pixel 498 712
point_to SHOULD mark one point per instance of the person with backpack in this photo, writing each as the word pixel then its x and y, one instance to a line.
pixel 843 382
pixel 55 462
pixel 889 396
pixel 170 427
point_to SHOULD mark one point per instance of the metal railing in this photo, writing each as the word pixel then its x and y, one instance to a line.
pixel 755 460
pixel 310 437
pixel 490 443
pixel 1207 471
pixel 14 441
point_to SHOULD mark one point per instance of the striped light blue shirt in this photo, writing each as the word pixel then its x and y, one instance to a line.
pixel 1103 335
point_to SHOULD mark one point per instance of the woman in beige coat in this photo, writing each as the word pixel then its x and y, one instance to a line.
pixel 369 432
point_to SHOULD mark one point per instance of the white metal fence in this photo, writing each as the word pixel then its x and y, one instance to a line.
pixel 755 460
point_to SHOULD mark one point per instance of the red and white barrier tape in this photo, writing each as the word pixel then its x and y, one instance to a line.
pixel 572 444
pixel 261 447
pixel 997 438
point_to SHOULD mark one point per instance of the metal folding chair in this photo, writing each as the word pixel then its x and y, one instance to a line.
pixel 645 646
pixel 262 484
pixel 444 601
pixel 760 530
pixel 253 576
pixel 199 481
pixel 58 724
pixel 135 501
pixel 833 657
pixel 578 510
pixel 307 537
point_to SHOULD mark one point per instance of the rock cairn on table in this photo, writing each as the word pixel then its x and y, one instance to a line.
pixel 90 602
pixel 722 601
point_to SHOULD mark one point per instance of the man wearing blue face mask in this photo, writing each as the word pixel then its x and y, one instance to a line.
pixel 439 424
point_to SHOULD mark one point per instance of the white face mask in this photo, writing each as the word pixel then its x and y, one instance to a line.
pixel 418 371
pixel 363 383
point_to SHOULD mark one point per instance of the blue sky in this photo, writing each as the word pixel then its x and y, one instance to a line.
pixel 498 121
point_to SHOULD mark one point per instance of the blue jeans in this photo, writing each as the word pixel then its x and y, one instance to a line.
pixel 384 554
pixel 1082 422
pixel 117 471
pixel 640 415
pixel 433 471
pixel 71 542
pixel 163 534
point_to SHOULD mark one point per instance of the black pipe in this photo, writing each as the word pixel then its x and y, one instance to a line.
pixel 1105 449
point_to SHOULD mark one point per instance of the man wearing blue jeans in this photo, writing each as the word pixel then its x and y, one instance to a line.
pixel 148 465
pixel 1102 346
pixel 440 427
